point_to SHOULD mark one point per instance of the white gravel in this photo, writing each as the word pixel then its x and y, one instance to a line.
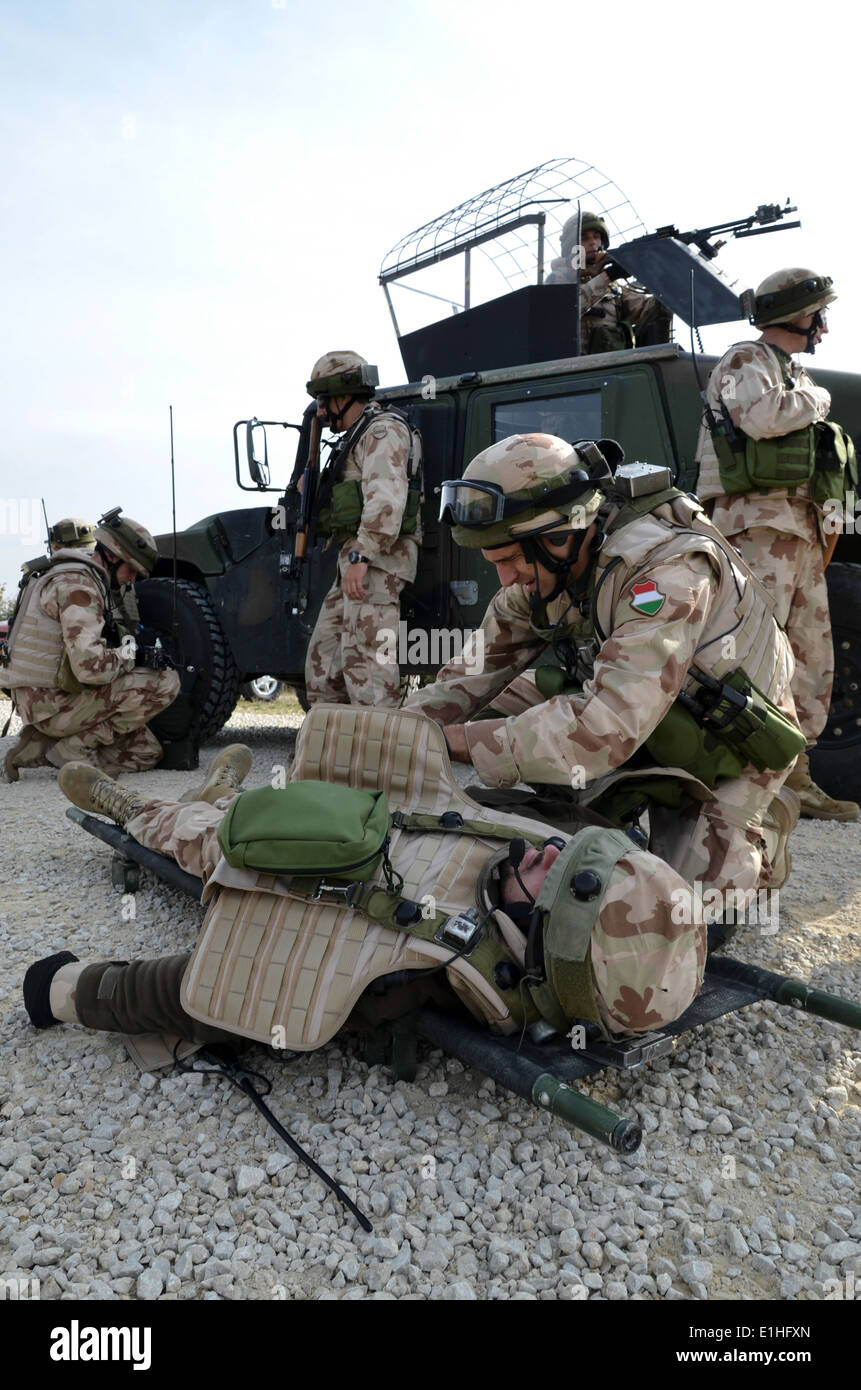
pixel 116 1185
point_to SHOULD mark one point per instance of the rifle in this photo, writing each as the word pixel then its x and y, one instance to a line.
pixel 305 487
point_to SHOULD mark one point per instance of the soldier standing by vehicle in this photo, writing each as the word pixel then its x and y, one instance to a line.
pixel 369 502
pixel 72 654
pixel 610 314
pixel 768 458
pixel 622 576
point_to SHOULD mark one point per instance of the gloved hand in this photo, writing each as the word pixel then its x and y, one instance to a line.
pixel 614 271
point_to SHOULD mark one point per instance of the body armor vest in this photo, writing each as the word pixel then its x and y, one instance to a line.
pixel 284 966
pixel 341 499
pixel 35 644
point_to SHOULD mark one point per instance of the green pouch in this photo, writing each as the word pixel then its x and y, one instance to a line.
pixel 409 523
pixel 784 462
pixel 343 516
pixel 611 337
pixel 836 463
pixel 308 830
pixel 552 680
pixel 679 741
pixel 732 464
pixel 67 681
pixel 760 733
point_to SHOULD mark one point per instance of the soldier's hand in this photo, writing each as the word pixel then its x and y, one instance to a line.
pixel 455 737
pixel 614 271
pixel 600 263
pixel 354 580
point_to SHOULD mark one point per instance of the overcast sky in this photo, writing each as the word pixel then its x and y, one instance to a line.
pixel 197 196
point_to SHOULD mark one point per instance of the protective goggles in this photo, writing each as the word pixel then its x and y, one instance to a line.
pixel 467 503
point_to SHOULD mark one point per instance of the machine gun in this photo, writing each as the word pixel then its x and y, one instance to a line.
pixel 765 219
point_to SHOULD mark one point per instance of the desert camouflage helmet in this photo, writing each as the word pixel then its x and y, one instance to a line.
pixel 589 221
pixel 127 539
pixel 72 533
pixel 342 374
pixel 526 485
pixel 791 294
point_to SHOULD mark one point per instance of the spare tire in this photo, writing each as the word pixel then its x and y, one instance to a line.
pixel 212 682
pixel 835 762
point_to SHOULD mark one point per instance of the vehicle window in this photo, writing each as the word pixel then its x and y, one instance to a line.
pixel 573 417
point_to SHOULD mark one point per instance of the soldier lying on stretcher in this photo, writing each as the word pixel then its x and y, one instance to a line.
pixel 373 862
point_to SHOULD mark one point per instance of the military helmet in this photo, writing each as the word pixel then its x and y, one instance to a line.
pixel 72 533
pixel 526 485
pixel 342 374
pixel 791 294
pixel 589 221
pixel 127 539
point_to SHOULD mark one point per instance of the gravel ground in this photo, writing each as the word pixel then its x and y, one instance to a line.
pixel 119 1185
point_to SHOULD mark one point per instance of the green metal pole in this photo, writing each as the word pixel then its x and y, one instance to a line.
pixel 549 1093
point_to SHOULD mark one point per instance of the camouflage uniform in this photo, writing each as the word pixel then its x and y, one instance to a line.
pixel 630 677
pixel 780 536
pixel 341 665
pixel 646 964
pixel 605 304
pixel 105 722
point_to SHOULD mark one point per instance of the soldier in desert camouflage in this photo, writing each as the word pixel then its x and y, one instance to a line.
pixel 302 964
pixel 369 503
pixel 630 595
pixel 611 315
pixel 81 691
pixel 773 405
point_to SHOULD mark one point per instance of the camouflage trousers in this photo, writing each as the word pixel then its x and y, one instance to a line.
pixel 104 724
pixel 792 570
pixel 342 666
pixel 718 843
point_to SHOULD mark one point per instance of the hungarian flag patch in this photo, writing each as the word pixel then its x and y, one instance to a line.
pixel 647 598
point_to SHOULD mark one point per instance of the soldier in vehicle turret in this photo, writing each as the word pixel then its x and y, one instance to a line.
pixel 369 504
pixel 769 458
pixel 72 676
pixel 612 316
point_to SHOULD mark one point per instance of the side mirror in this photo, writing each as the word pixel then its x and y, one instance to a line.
pixel 255 438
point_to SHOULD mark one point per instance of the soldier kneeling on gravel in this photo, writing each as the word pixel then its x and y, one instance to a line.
pixel 391 898
pixel 70 659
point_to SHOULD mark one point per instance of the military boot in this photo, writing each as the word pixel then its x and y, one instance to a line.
pixel 778 823
pixel 815 803
pixel 29 751
pixel 94 790
pixel 225 774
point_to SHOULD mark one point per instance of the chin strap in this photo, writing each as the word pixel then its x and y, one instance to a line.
pixel 807 333
pixel 333 417
pixel 110 565
pixel 535 552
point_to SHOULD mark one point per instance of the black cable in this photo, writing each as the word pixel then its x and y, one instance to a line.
pixel 241 1078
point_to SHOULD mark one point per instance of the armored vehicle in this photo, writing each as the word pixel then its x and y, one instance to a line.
pixel 245 604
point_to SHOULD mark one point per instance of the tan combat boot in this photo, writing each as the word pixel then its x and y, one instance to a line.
pixel 29 751
pixel 778 823
pixel 815 803
pixel 225 774
pixel 93 790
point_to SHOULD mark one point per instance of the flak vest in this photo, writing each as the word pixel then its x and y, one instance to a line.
pixel 286 967
pixel 742 607
pixel 35 643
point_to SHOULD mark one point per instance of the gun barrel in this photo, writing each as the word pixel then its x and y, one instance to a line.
pixel 525 1078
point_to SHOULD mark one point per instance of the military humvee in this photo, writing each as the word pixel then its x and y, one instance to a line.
pixel 244 605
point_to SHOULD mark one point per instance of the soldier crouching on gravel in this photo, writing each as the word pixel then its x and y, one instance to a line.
pixel 463 908
pixel 71 657
pixel 657 628
pixel 369 503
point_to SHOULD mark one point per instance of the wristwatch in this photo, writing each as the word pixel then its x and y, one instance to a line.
pixel 356 559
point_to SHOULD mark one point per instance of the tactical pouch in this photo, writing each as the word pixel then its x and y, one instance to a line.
pixel 679 741
pixel 758 465
pixel 836 463
pixel 67 681
pixel 552 681
pixel 611 337
pixel 739 714
pixel 308 830
pixel 343 517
